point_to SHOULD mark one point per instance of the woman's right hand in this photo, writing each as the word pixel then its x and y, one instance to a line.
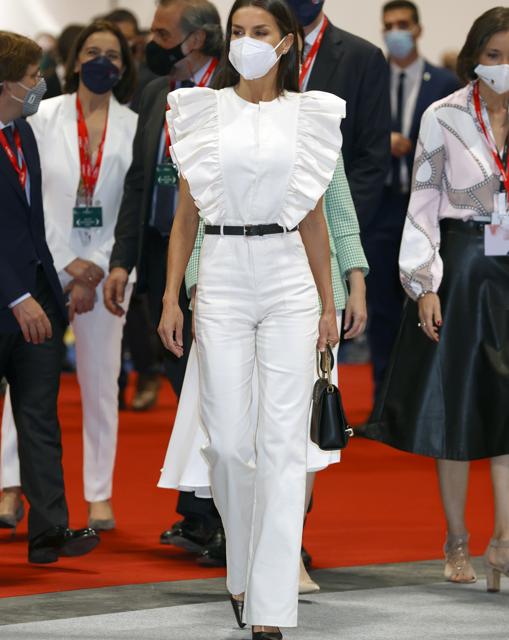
pixel 430 315
pixel 170 328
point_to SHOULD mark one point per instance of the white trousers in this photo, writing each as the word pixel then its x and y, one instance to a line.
pixel 257 302
pixel 98 336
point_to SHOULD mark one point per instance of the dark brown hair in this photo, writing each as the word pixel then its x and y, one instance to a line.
pixel 288 71
pixel 403 4
pixel 17 53
pixel 122 91
pixel 491 22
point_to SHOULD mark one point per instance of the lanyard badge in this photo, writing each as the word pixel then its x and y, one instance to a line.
pixel 504 171
pixel 87 215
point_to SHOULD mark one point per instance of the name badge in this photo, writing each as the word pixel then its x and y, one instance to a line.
pixel 166 174
pixel 87 217
pixel 496 240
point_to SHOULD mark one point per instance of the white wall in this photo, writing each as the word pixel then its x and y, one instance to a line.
pixel 446 22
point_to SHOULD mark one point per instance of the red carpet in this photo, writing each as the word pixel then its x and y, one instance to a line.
pixel 379 505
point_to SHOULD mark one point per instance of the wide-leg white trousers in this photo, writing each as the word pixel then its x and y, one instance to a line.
pixel 257 302
pixel 98 336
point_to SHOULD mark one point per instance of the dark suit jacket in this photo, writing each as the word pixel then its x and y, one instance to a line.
pixel 22 235
pixel 136 204
pixel 437 83
pixel 357 71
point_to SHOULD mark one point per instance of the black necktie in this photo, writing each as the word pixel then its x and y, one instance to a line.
pixel 398 126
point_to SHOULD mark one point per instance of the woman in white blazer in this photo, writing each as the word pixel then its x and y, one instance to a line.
pixel 85 139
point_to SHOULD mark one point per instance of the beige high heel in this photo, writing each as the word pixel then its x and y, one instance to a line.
pixel 306 584
pixel 458 566
pixel 494 572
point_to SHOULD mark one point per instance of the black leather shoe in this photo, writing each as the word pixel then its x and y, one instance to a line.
pixel 306 558
pixel 267 635
pixel 187 534
pixel 238 610
pixel 214 553
pixel 61 542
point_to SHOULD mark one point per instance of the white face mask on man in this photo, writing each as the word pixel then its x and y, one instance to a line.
pixel 496 76
pixel 253 58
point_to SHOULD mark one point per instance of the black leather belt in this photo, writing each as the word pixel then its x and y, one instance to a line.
pixel 247 230
pixel 451 224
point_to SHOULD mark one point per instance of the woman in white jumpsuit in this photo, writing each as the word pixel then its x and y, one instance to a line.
pixel 255 159
pixel 100 76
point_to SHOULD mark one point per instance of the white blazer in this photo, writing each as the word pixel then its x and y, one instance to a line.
pixel 56 131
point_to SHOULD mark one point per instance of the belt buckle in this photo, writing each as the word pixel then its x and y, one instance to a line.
pixel 252 230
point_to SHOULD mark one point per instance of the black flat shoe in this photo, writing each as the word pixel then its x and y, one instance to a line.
pixel 267 635
pixel 238 610
pixel 61 542
pixel 187 534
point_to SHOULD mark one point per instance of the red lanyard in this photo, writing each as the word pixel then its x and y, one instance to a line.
pixel 21 171
pixel 89 173
pixel 313 52
pixel 203 83
pixel 504 171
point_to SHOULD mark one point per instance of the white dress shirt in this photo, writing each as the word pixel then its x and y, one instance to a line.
pixel 309 41
pixel 27 192
pixel 198 75
pixel 413 80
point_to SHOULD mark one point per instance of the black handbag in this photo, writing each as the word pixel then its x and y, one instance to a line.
pixel 329 427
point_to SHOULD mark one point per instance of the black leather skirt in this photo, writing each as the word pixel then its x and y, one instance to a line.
pixel 451 400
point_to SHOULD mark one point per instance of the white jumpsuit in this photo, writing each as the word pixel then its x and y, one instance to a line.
pixel 256 301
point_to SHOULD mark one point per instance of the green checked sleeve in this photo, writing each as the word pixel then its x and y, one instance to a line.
pixel 194 260
pixel 343 224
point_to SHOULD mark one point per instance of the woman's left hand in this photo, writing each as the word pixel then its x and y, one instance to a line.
pixel 327 330
pixel 356 315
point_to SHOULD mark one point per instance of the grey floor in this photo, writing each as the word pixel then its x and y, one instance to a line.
pixel 406 601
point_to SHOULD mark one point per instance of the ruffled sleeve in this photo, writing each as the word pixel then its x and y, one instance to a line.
pixel 194 132
pixel 319 142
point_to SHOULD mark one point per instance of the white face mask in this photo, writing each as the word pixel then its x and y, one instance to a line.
pixel 252 58
pixel 496 76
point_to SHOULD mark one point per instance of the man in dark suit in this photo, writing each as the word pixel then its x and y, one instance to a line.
pixel 355 70
pixel 187 40
pixel 33 314
pixel 414 84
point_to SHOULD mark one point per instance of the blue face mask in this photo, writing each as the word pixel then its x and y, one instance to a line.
pixel 306 10
pixel 99 75
pixel 399 43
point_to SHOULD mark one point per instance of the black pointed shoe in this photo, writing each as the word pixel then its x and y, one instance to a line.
pixel 267 635
pixel 238 610
pixel 61 542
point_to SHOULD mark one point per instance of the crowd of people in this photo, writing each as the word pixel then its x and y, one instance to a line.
pixel 243 198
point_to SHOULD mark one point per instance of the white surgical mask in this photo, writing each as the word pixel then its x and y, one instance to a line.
pixel 252 58
pixel 496 76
